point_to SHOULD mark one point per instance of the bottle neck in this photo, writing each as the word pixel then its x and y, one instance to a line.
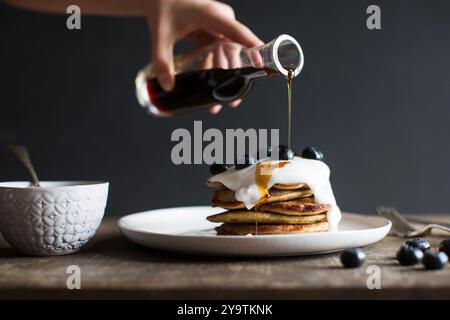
pixel 282 54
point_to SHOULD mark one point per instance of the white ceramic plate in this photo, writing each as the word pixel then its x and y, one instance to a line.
pixel 186 230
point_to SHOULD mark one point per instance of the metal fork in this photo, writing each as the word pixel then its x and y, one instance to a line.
pixel 403 228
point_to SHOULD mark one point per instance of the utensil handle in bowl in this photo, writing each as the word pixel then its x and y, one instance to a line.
pixel 21 152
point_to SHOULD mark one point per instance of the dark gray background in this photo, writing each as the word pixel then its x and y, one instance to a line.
pixel 376 103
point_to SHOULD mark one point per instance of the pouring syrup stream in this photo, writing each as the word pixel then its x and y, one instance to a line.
pixel 289 78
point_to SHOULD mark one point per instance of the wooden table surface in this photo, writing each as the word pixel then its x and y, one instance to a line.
pixel 113 267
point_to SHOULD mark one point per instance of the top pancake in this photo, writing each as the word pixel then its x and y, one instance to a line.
pixel 279 186
pixel 224 198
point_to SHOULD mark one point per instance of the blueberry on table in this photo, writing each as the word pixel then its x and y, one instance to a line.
pixel 409 255
pixel 312 153
pixel 217 168
pixel 421 244
pixel 445 246
pixel 244 162
pixel 285 153
pixel 434 260
pixel 353 258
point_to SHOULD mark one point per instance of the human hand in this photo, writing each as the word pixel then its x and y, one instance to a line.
pixel 202 22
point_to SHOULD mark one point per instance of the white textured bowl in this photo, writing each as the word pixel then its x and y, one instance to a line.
pixel 57 218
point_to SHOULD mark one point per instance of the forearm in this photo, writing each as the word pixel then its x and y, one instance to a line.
pixel 98 7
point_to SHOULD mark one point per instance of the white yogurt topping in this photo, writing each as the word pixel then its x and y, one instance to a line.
pixel 314 173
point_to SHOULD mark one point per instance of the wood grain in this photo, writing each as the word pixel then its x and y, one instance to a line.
pixel 113 267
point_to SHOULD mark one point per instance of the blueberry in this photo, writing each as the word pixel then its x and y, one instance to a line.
pixel 353 258
pixel 434 260
pixel 409 255
pixel 312 153
pixel 285 153
pixel 445 246
pixel 265 152
pixel 421 244
pixel 244 162
pixel 217 168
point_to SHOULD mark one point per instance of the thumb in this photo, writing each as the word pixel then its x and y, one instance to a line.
pixel 162 60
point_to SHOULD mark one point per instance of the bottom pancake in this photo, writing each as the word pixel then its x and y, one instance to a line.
pixel 249 228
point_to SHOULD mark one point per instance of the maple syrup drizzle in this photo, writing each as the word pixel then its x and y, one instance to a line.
pixel 256 225
pixel 264 171
pixel 289 78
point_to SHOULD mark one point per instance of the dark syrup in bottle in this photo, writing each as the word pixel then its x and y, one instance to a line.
pixel 203 88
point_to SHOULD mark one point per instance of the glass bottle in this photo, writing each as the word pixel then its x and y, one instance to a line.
pixel 221 72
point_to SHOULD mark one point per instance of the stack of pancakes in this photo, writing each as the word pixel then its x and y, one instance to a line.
pixel 287 209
